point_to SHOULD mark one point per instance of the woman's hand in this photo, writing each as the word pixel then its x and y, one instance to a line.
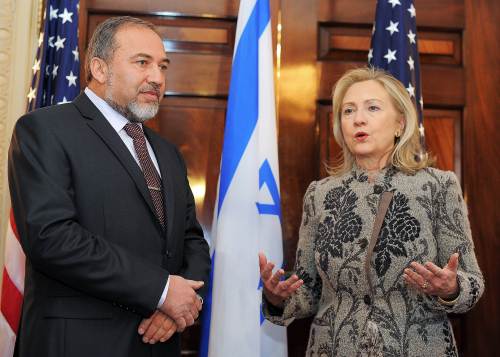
pixel 432 280
pixel 276 291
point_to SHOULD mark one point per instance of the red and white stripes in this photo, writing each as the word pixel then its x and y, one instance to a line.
pixel 12 290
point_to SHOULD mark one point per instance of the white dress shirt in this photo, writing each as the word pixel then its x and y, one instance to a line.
pixel 118 121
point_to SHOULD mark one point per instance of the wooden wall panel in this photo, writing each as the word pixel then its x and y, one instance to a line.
pixel 443 135
pixel 212 8
pixel 429 12
pixel 481 167
pixel 297 90
pixel 196 127
pixel 342 41
pixel 195 75
pixel 297 142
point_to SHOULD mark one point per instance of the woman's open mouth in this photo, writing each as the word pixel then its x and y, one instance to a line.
pixel 360 136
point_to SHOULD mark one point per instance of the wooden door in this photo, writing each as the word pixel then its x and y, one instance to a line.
pixel 319 40
pixel 459 54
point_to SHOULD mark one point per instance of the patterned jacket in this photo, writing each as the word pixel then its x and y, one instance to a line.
pixel 426 221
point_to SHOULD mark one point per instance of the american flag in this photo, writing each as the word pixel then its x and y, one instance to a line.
pixel 56 80
pixel 394 48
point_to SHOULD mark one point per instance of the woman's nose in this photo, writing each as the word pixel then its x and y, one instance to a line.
pixel 359 118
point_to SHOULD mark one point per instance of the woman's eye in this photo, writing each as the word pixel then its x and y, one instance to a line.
pixel 373 108
pixel 142 62
pixel 347 111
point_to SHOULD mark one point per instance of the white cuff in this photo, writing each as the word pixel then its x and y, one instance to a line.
pixel 164 294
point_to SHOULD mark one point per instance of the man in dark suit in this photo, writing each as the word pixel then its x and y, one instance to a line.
pixel 116 259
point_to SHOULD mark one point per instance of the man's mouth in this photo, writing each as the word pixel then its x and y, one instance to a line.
pixel 152 94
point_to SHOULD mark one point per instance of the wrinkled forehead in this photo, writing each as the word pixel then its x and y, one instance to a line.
pixel 132 39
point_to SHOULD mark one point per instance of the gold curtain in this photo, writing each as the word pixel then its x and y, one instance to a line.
pixel 19 30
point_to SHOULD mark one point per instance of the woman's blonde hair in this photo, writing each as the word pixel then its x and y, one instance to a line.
pixel 406 154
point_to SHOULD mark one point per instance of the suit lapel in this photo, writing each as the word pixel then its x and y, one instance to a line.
pixel 105 131
pixel 162 157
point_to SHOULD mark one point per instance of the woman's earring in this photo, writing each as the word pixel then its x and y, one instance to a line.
pixel 397 134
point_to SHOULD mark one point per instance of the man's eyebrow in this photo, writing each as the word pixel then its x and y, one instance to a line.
pixel 145 55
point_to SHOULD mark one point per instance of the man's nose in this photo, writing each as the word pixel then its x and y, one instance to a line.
pixel 156 75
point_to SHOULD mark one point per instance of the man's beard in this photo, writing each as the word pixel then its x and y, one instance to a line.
pixel 133 110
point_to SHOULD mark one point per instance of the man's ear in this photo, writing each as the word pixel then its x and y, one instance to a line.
pixel 99 70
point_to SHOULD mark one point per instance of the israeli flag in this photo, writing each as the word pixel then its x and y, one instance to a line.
pixel 247 217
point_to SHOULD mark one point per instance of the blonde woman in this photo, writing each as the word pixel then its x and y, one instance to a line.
pixel 385 249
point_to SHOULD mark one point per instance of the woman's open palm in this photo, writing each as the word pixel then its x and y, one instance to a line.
pixel 275 289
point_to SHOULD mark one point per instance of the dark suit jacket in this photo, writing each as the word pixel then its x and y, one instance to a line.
pixel 97 258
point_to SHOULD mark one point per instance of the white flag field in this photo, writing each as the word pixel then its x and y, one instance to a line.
pixel 247 215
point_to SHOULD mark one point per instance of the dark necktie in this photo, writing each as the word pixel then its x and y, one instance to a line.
pixel 152 177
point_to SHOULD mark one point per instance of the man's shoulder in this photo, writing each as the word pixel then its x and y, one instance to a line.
pixel 53 115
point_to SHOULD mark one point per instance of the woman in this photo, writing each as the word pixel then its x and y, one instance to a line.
pixel 385 249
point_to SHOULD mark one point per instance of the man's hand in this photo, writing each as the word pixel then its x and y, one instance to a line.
pixel 182 303
pixel 159 327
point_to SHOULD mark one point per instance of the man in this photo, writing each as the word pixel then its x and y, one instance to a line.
pixel 116 259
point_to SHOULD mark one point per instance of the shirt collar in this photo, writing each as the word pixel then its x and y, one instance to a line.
pixel 114 118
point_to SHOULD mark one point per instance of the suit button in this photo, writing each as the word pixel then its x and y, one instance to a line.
pixel 367 299
pixel 167 253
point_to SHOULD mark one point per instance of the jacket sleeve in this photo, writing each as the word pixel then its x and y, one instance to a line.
pixel 54 242
pixel 454 236
pixel 304 302
pixel 197 263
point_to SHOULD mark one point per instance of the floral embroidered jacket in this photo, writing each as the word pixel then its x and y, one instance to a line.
pixel 426 221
